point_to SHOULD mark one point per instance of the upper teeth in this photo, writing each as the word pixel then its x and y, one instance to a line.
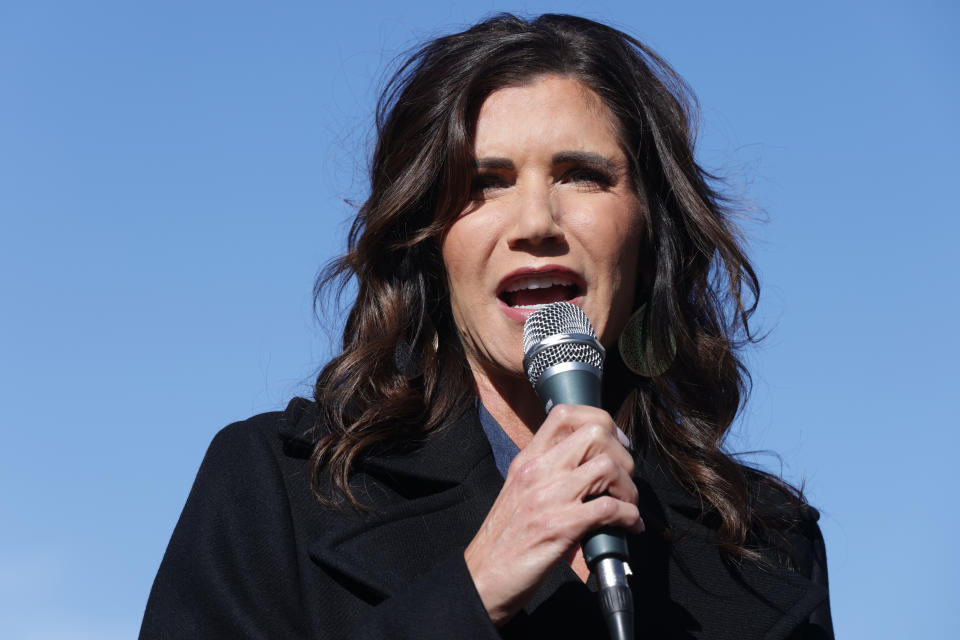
pixel 538 283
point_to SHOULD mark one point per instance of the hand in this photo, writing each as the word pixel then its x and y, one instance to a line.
pixel 542 512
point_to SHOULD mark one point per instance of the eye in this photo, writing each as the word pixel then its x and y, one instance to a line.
pixel 484 184
pixel 588 178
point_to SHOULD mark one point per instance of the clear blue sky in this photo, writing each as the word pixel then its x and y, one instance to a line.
pixel 173 173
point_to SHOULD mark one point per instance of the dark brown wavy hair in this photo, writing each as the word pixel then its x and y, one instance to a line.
pixel 403 372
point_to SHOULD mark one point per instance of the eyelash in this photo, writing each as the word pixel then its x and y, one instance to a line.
pixel 485 181
pixel 586 174
pixel 578 175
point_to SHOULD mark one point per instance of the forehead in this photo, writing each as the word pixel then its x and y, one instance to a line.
pixel 551 109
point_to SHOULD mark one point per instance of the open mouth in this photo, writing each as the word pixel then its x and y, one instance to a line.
pixel 533 291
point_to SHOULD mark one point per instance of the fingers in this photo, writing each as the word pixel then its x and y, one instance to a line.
pixel 577 456
pixel 603 475
pixel 565 419
pixel 574 434
pixel 571 523
pixel 573 477
pixel 599 492
pixel 591 441
pixel 609 512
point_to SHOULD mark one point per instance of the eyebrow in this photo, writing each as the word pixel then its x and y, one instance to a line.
pixel 495 163
pixel 563 157
pixel 586 157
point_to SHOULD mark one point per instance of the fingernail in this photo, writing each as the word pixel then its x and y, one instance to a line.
pixel 622 437
pixel 640 527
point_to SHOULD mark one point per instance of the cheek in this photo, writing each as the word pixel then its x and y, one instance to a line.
pixel 455 258
pixel 616 243
pixel 468 247
pixel 459 292
pixel 464 259
pixel 628 251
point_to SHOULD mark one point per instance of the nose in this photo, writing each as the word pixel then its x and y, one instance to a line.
pixel 536 215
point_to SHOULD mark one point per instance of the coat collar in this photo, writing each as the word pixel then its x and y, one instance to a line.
pixel 443 459
pixel 431 499
pixel 773 598
pixel 434 498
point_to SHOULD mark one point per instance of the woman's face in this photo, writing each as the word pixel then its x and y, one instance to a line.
pixel 555 217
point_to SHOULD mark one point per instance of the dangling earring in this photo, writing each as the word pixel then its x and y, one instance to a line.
pixel 637 353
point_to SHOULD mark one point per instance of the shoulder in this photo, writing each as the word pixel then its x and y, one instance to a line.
pixel 792 529
pixel 789 521
pixel 235 542
pixel 773 499
pixel 254 457
pixel 267 435
pixel 246 438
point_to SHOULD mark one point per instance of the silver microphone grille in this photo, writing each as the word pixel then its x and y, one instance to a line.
pixel 550 320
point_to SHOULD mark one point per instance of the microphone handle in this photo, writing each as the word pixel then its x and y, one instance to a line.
pixel 604 550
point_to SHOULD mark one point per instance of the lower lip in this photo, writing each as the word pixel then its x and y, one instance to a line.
pixel 521 315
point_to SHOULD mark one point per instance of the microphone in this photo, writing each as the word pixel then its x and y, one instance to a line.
pixel 564 361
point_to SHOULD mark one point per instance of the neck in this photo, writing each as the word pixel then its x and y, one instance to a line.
pixel 513 404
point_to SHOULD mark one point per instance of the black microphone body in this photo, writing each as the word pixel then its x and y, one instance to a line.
pixel 565 367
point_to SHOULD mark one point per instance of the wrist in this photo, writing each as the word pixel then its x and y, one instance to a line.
pixel 486 586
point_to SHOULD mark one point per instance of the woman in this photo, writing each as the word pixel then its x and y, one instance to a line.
pixel 425 493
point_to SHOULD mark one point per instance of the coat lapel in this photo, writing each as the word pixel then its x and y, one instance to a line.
pixel 709 593
pixel 421 505
pixel 431 501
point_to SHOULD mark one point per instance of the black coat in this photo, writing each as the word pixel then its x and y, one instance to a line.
pixel 254 554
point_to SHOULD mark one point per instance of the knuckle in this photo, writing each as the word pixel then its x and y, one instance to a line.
pixel 525 471
pixel 606 465
pixel 597 433
pixel 562 411
pixel 606 507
